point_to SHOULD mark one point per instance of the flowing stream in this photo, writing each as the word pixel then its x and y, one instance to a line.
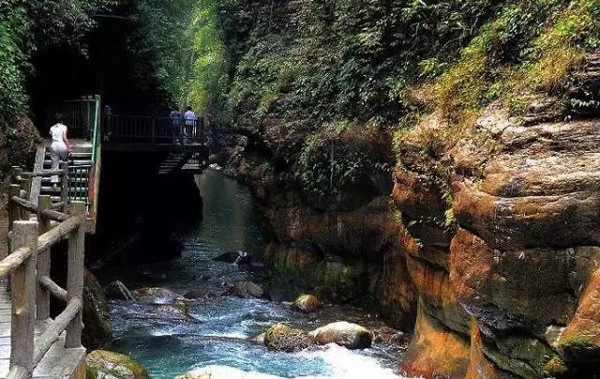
pixel 169 342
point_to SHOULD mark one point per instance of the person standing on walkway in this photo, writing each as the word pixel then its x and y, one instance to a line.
pixel 190 121
pixel 60 148
pixel 175 116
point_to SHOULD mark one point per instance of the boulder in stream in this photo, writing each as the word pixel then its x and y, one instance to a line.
pixel 352 336
pixel 157 295
pixel 237 257
pixel 106 364
pixel 306 304
pixel 224 372
pixel 281 337
pixel 246 290
pixel 117 290
pixel 197 294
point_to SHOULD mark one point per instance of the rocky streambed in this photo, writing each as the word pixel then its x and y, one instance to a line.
pixel 214 327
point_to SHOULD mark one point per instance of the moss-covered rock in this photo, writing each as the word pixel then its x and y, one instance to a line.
pixel 106 364
pixel 281 337
pixel 306 303
pixel 96 332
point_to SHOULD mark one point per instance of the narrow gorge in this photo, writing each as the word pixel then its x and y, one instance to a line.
pixel 429 170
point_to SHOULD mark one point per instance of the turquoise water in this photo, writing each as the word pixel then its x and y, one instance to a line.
pixel 215 331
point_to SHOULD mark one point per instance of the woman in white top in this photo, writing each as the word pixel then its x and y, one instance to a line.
pixel 60 145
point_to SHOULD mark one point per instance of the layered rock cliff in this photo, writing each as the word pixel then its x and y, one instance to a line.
pixel 504 251
pixel 345 248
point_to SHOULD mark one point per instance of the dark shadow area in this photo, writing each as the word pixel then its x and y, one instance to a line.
pixel 113 64
pixel 140 210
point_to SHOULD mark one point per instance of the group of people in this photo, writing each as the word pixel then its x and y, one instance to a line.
pixel 184 125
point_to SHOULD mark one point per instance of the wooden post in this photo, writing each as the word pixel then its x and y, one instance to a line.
pixel 14 212
pixel 64 193
pixel 36 182
pixel 25 190
pixel 42 294
pixel 75 273
pixel 25 234
pixel 16 173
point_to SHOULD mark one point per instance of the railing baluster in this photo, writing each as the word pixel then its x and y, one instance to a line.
pixel 14 212
pixel 64 193
pixel 75 273
pixel 43 261
pixel 23 285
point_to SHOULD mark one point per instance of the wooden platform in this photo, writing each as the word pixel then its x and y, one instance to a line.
pixel 141 147
pixel 59 362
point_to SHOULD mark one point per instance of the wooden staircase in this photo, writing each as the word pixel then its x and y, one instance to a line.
pixel 80 164
pixel 181 161
pixel 83 173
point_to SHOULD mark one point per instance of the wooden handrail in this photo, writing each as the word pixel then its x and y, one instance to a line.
pixel 28 206
pixel 15 260
pixel 54 330
pixel 42 173
pixel 56 290
pixel 46 213
pixel 29 267
pixel 59 232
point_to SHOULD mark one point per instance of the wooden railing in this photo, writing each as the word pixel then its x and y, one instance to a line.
pixel 154 130
pixel 34 230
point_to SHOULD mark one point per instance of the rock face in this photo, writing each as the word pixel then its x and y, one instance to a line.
pixel 281 337
pixel 340 248
pixel 506 273
pixel 306 303
pixel 97 332
pixel 105 364
pixel 343 333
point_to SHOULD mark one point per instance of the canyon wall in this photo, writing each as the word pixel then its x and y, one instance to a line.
pixel 504 250
pixel 345 248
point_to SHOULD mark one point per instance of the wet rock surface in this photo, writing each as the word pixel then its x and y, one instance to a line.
pixel 246 290
pixel 343 333
pixel 281 337
pixel 306 304
pixel 97 331
pixel 510 287
pixel 342 248
pixel 106 364
pixel 157 295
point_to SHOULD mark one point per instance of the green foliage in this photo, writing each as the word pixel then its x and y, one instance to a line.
pixel 528 49
pixel 166 32
pixel 210 67
pixel 28 26
pixel 64 23
pixel 25 28
pixel 14 50
pixel 339 156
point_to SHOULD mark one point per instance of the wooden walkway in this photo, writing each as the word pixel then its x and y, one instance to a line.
pixel 59 362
